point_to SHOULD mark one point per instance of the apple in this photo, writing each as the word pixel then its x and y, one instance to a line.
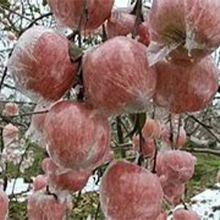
pixel 11 109
pixel 117 77
pixel 40 182
pixel 40 64
pixel 182 214
pixel 191 26
pixel 71 181
pixel 92 13
pixel 128 191
pixel 4 205
pixel 183 89
pixel 47 207
pixel 177 166
pixel 76 135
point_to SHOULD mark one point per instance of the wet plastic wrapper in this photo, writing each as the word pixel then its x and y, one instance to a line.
pixel 117 77
pixel 184 214
pixel 183 89
pixel 47 207
pixel 71 181
pixel 40 64
pixel 176 166
pixel 183 30
pixel 4 205
pixel 76 136
pixel 130 192
pixel 91 13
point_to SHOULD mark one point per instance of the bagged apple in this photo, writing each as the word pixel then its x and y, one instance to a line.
pixel 91 13
pixel 40 64
pixel 117 77
pixel 130 192
pixel 76 135
pixel 185 30
pixel 71 181
pixel 4 205
pixel 183 89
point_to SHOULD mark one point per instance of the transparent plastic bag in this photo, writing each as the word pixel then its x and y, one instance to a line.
pixel 40 64
pixel 185 30
pixel 117 77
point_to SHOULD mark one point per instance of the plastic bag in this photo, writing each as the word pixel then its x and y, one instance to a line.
pixel 92 13
pixel 187 30
pixel 76 136
pixel 40 64
pixel 183 89
pixel 130 192
pixel 117 77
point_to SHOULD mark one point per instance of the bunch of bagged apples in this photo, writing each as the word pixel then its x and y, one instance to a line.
pixel 168 63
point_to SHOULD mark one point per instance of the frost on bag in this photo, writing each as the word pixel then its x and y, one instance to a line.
pixel 176 166
pixel 4 205
pixel 40 64
pixel 130 192
pixel 77 137
pixel 91 13
pixel 117 77
pixel 122 23
pixel 183 30
pixel 42 206
pixel 183 89
pixel 71 181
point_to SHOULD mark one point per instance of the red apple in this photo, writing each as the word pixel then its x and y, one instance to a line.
pixel 173 192
pixel 46 207
pixel 71 181
pixel 40 64
pixel 117 77
pixel 177 166
pixel 179 136
pixel 143 33
pixel 128 191
pixel 194 25
pixel 162 216
pixel 151 129
pixel 70 12
pixel 183 89
pixel 182 214
pixel 10 134
pixel 148 146
pixel 4 205
pixel 77 137
pixel 122 23
pixel 40 182
pixel 11 109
